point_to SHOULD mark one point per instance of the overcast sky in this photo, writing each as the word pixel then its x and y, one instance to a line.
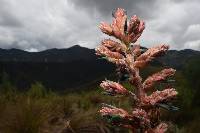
pixel 35 25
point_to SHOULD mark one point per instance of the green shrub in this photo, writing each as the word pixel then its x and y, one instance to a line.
pixel 37 90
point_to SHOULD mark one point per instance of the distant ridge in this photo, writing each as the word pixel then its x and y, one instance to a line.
pixel 51 55
pixel 70 67
pixel 75 52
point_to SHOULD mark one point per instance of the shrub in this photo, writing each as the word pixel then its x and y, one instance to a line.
pixel 37 90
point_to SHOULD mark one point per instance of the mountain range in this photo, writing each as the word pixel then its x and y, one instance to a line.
pixel 69 68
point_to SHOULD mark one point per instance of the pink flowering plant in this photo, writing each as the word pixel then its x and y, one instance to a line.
pixel 130 59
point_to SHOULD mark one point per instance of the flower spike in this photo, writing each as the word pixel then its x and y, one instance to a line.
pixel 129 59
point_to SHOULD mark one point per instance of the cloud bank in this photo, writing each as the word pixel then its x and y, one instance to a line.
pixel 38 25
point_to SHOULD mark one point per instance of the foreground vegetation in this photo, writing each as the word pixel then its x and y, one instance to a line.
pixel 39 110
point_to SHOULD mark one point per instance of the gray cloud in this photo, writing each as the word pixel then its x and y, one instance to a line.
pixel 38 25
pixel 7 19
pixel 142 8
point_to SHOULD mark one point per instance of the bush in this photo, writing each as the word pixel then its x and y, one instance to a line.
pixel 37 90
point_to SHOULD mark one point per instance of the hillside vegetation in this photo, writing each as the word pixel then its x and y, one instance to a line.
pixel 39 109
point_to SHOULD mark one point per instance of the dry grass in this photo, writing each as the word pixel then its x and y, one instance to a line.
pixel 50 113
pixel 39 111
